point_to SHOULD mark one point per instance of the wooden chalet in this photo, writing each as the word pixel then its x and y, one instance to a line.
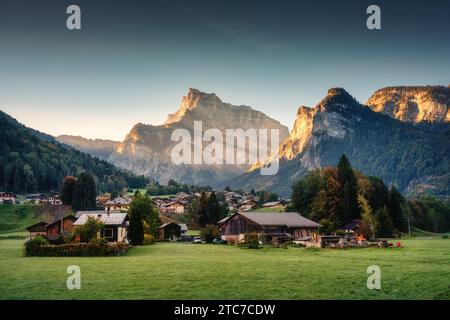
pixel 247 205
pixel 7 198
pixel 273 204
pixel 117 204
pixel 40 198
pixel 177 206
pixel 269 225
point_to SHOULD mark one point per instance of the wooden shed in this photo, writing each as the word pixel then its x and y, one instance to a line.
pixel 170 231
pixel 37 229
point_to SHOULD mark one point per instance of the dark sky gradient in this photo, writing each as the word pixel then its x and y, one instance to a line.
pixel 133 60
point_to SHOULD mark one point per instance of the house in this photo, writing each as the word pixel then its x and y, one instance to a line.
pixel 177 206
pixel 59 228
pixel 352 226
pixel 118 204
pixel 101 200
pixel 115 223
pixel 248 205
pixel 37 229
pixel 172 231
pixel 7 198
pixel 273 204
pixel 269 225
pixel 40 198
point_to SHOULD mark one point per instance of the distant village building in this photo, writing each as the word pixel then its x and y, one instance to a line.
pixel 247 205
pixel 7 198
pixel 273 204
pixel 102 200
pixel 115 223
pixel 268 225
pixel 352 226
pixel 118 204
pixel 177 206
pixel 40 198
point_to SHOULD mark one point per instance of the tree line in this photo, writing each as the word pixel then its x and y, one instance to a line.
pixel 338 195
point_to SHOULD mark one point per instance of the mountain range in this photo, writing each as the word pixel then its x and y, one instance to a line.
pixel 391 137
pixel 401 134
pixel 147 149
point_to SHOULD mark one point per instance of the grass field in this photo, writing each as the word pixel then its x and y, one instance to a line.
pixel 419 270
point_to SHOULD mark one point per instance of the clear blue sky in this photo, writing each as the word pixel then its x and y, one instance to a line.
pixel 134 60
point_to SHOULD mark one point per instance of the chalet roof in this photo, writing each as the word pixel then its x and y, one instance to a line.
pixel 248 201
pixel 271 204
pixel 63 218
pixel 288 219
pixel 111 218
pixel 224 219
pixel 3 193
pixel 119 200
pixel 167 224
pixel 40 226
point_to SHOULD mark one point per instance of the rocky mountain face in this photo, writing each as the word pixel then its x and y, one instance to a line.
pixel 426 104
pixel 99 148
pixel 147 148
pixel 376 144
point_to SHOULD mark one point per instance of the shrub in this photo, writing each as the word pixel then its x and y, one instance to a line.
pixel 39 240
pixel 209 233
pixel 340 232
pixel 251 240
pixel 445 237
pixel 89 230
pixel 70 238
pixel 148 239
pixel 98 241
pixel 95 249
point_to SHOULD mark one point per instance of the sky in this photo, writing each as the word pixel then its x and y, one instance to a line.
pixel 132 61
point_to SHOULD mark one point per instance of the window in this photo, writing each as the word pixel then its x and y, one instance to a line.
pixel 108 233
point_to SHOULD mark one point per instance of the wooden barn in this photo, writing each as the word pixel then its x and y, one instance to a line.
pixel 56 230
pixel 37 229
pixel 268 225
pixel 170 231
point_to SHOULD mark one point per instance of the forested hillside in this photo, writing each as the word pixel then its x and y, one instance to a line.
pixel 30 164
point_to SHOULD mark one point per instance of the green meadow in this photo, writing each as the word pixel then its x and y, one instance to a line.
pixel 418 270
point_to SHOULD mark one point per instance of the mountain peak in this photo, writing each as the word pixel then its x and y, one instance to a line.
pixel 337 92
pixel 413 104
pixel 194 96
pixel 192 100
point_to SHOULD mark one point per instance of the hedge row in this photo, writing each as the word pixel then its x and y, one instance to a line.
pixel 33 249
